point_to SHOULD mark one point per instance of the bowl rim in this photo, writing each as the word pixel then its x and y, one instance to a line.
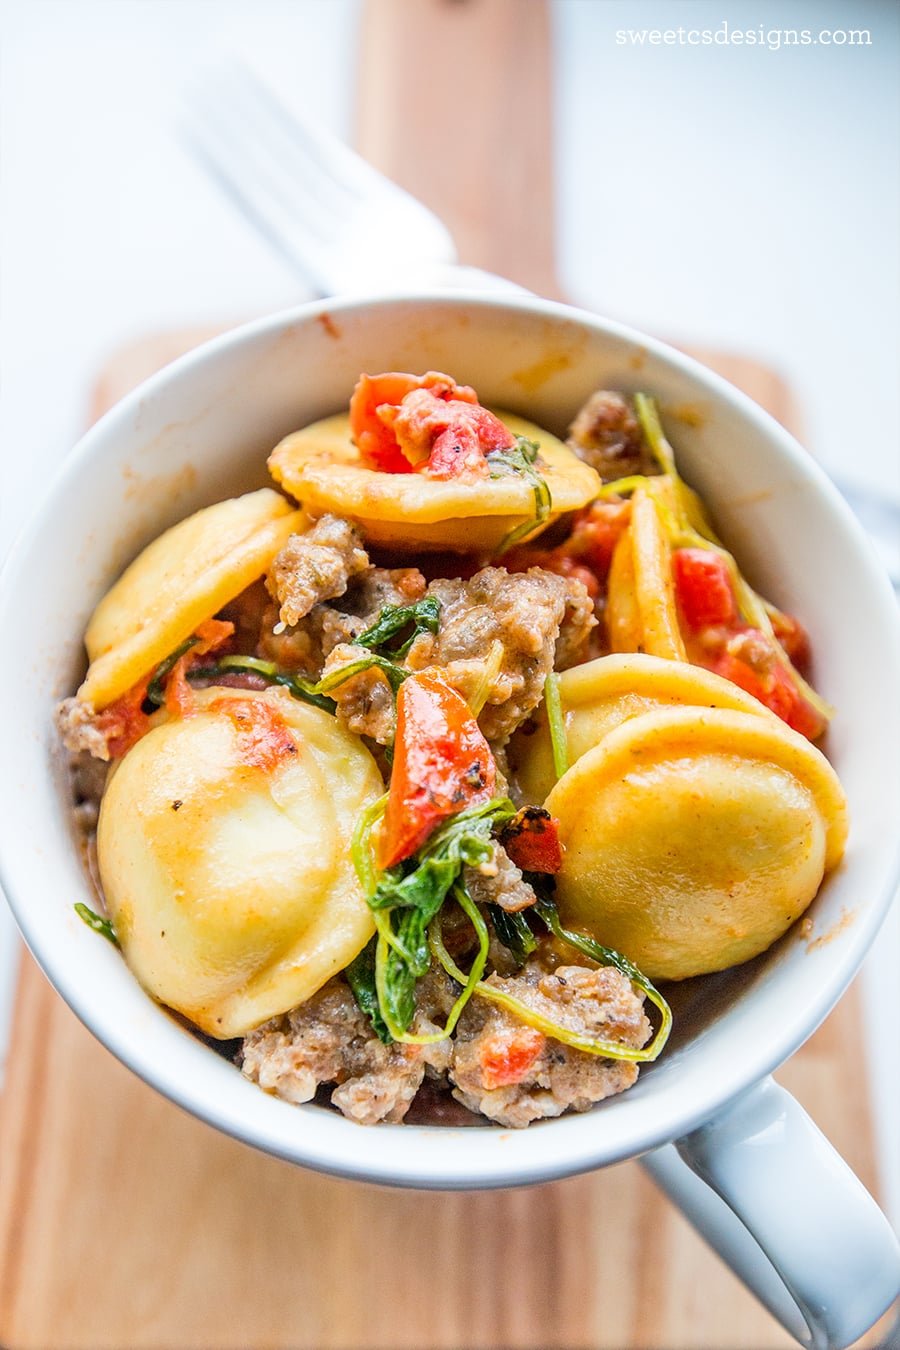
pixel 506 1161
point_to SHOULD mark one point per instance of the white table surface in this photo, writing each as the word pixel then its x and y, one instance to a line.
pixel 736 196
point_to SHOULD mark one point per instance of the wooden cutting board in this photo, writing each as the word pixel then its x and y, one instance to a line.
pixel 126 1223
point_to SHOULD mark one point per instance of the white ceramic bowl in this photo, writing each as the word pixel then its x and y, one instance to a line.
pixel 200 431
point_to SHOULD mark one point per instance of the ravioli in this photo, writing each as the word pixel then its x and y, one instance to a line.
pixel 599 695
pixel 222 850
pixel 179 580
pixel 320 467
pixel 694 838
pixel 641 614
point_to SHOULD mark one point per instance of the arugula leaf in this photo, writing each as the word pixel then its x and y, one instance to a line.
pixel 556 723
pixel 97 922
pixel 514 931
pixel 395 674
pixel 408 897
pixel 394 620
pixel 591 1045
pixel 521 459
pixel 605 956
pixel 296 686
pixel 360 975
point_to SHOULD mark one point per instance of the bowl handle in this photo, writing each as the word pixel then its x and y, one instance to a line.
pixel 796 1225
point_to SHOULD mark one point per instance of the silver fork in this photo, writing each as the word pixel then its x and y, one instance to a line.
pixel 338 223
pixel 343 227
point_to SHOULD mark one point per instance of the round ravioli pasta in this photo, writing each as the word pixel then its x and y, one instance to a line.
pixel 180 580
pixel 599 695
pixel 641 614
pixel 694 838
pixel 321 467
pixel 222 850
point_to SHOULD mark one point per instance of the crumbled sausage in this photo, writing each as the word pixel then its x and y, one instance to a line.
pixel 499 882
pixel 78 729
pixel 525 613
pixel 306 646
pixel 315 566
pixel 329 1040
pixel 607 435
pixel 545 1077
pixel 365 701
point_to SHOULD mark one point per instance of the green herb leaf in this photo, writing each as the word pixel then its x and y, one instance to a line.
pixel 406 899
pixel 395 674
pixel 651 427
pixel 296 686
pixel 360 975
pixel 556 723
pixel 605 956
pixel 514 931
pixel 155 689
pixel 395 620
pixel 97 922
pixel 521 459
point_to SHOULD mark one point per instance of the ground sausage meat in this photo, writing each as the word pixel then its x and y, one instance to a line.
pixel 76 723
pixel 315 566
pixel 499 882
pixel 305 646
pixel 365 701
pixel 329 1040
pixel 513 1074
pixel 607 435
pixel 523 612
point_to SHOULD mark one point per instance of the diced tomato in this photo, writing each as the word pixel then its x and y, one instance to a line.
pixel 587 552
pixel 596 532
pixel 506 1057
pixel 211 634
pixel 402 422
pixel 552 560
pixel 124 722
pixel 442 764
pixel 179 694
pixel 793 638
pixel 446 437
pixel 773 686
pixel 703 588
pixel 264 738
pixel 532 840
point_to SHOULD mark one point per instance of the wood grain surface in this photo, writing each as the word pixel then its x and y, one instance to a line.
pixel 126 1223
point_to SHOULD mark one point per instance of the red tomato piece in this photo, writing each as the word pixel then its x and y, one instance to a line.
pixel 793 638
pixel 703 588
pixel 442 764
pixel 179 694
pixel 506 1057
pixel 586 554
pixel 532 840
pixel 372 433
pixel 210 635
pixel 124 722
pixel 774 687
pixel 597 530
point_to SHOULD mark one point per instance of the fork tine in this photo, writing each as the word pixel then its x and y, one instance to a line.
pixel 244 147
pixel 338 166
pixel 260 216
pixel 334 217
